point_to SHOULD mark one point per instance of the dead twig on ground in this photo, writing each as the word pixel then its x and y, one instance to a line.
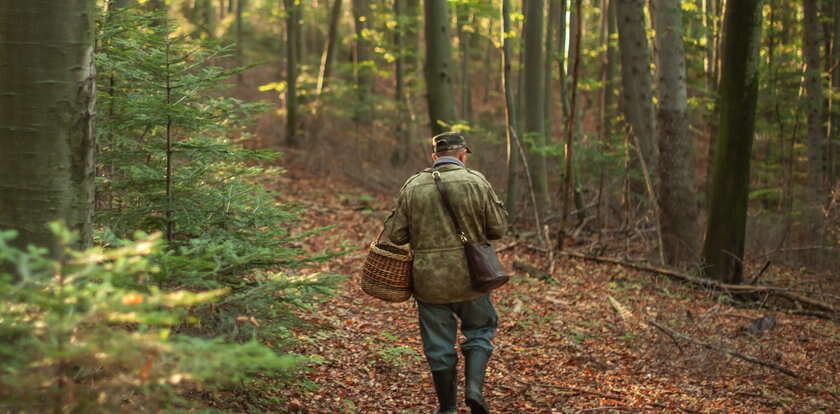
pixel 712 347
pixel 813 304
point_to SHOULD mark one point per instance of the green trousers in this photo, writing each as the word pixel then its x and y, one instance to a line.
pixel 438 328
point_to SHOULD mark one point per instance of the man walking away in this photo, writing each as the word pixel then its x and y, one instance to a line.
pixel 441 280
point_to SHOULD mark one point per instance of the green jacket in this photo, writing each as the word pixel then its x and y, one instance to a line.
pixel 440 272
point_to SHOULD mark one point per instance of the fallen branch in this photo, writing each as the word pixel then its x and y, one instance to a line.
pixel 712 284
pixel 738 355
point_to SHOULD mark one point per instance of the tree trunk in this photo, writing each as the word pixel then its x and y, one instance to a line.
pixel 292 34
pixel 46 119
pixel 464 43
pixel 814 107
pixel 535 102
pixel 513 180
pixel 441 98
pixel 240 60
pixel 677 200
pixel 550 32
pixel 330 46
pixel 400 153
pixel 725 232
pixel 834 132
pixel 362 62
pixel 636 80
pixel 560 58
pixel 207 19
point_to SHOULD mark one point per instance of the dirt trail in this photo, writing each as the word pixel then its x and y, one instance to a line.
pixel 561 347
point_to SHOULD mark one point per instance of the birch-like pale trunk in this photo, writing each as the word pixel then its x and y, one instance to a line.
pixel 47 102
pixel 677 198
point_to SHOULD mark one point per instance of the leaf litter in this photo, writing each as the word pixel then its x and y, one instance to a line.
pixel 561 346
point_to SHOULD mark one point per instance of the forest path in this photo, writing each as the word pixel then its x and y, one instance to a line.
pixel 560 347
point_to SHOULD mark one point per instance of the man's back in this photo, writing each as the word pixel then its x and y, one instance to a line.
pixel 440 270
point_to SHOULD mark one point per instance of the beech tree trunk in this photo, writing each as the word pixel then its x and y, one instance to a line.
pixel 677 200
pixel 814 107
pixel 723 250
pixel 47 101
pixel 637 99
pixel 440 95
pixel 535 101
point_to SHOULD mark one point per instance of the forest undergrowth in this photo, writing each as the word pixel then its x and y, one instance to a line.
pixel 579 342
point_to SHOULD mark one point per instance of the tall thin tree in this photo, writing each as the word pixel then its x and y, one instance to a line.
pixel 362 57
pixel 814 110
pixel 637 102
pixel 329 47
pixel 292 34
pixel 513 180
pixel 534 93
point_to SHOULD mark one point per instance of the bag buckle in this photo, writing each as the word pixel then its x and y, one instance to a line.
pixel 463 237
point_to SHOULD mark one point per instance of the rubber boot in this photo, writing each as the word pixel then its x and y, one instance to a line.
pixel 476 365
pixel 446 388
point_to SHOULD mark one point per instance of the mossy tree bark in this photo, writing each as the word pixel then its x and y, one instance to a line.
pixel 47 100
pixel 534 94
pixel 440 94
pixel 723 250
pixel 677 200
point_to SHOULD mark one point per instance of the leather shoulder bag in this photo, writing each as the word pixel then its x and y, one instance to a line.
pixel 486 272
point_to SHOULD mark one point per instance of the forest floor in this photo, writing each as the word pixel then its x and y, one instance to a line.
pixel 562 346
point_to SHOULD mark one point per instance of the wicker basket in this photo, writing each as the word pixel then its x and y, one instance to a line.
pixel 386 273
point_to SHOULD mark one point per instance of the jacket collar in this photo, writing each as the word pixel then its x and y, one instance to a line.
pixel 447 160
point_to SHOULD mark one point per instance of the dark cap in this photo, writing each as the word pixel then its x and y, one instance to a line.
pixel 449 141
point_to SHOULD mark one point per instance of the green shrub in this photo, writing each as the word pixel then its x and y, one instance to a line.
pixel 77 335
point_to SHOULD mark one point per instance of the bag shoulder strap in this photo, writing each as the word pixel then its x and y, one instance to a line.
pixel 448 206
